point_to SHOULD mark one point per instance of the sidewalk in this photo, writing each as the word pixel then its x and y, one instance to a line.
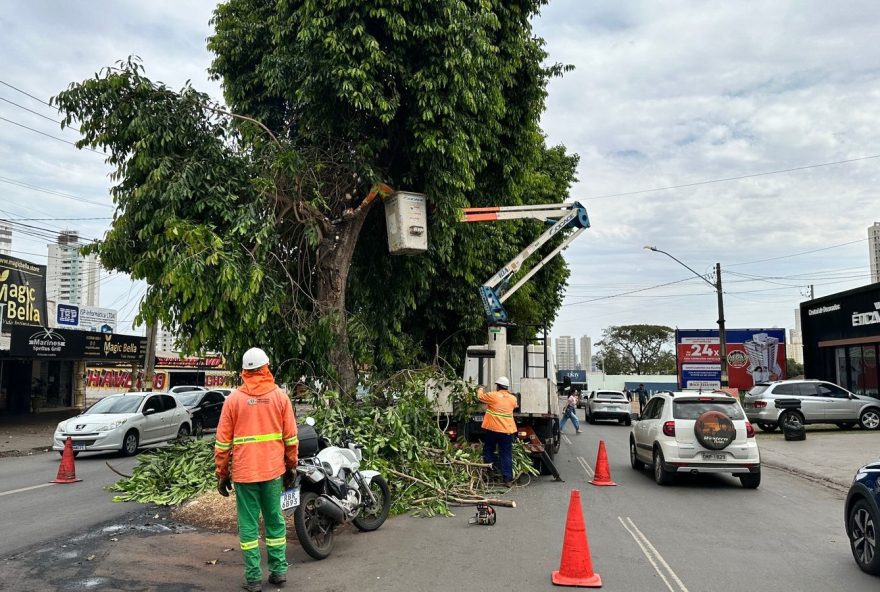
pixel 21 435
pixel 829 455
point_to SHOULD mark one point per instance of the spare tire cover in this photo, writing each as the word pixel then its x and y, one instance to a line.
pixel 714 430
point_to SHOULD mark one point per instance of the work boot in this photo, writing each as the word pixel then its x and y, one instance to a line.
pixel 277 579
pixel 508 484
pixel 252 587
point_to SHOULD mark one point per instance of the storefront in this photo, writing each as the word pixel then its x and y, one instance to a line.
pixel 45 369
pixel 841 335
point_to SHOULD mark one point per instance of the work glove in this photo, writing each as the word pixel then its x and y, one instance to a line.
pixel 224 486
pixel 288 478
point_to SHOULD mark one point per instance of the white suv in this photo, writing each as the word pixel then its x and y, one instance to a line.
pixel 695 433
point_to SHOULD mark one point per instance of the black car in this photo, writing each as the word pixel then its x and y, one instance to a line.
pixel 862 517
pixel 204 407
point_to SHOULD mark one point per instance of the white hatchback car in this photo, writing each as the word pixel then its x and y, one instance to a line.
pixel 695 433
pixel 124 422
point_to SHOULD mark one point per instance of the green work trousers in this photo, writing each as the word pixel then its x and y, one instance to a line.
pixel 250 500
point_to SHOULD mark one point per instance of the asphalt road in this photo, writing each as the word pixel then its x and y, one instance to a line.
pixel 702 534
pixel 35 511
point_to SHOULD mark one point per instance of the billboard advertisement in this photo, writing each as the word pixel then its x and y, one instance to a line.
pixel 22 293
pixel 753 355
pixel 85 318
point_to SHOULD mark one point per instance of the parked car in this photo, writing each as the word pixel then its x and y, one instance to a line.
pixel 687 433
pixel 862 518
pixel 185 388
pixel 223 391
pixel 125 422
pixel 821 402
pixel 608 405
pixel 204 409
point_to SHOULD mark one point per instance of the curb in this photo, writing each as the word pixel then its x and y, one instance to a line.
pixel 809 476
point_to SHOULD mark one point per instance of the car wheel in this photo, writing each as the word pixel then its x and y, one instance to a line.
pixel 751 481
pixel 791 418
pixel 183 431
pixel 870 419
pixel 589 418
pixel 129 443
pixel 628 421
pixel 767 427
pixel 863 523
pixel 633 459
pixel 845 425
pixel 661 475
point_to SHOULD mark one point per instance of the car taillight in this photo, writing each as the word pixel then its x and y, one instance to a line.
pixel 669 428
pixel 750 431
pixel 760 404
pixel 452 433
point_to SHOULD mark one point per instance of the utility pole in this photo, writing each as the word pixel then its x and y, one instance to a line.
pixel 150 357
pixel 722 337
pixel 811 292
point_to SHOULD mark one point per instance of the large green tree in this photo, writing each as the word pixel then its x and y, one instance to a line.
pixel 637 349
pixel 249 220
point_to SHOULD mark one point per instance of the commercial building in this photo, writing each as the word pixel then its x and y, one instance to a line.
pixel 5 238
pixel 566 355
pixel 796 340
pixel 165 339
pixel 841 335
pixel 874 251
pixel 72 277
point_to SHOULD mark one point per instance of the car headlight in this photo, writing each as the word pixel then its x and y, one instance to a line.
pixel 110 426
pixel 60 428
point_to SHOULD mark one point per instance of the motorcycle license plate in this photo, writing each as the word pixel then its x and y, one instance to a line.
pixel 478 417
pixel 290 498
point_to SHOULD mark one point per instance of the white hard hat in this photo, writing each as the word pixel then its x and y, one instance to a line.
pixel 254 358
pixel 503 381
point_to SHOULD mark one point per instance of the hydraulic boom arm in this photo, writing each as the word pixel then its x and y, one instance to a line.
pixel 560 216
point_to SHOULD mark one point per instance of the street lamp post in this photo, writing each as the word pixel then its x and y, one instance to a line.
pixel 716 285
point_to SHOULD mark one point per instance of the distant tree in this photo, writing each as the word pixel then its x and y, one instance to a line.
pixel 792 368
pixel 637 349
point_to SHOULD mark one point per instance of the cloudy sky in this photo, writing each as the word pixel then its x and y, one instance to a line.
pixel 663 94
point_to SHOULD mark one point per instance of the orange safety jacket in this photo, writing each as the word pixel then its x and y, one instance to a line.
pixel 258 427
pixel 499 415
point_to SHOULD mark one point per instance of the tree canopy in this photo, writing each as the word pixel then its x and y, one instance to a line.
pixel 249 220
pixel 637 349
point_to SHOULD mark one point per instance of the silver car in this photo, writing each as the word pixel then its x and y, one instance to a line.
pixel 820 402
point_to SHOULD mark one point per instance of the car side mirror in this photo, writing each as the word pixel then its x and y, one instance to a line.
pixel 150 411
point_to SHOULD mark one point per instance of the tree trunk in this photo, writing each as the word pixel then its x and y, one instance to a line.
pixel 335 261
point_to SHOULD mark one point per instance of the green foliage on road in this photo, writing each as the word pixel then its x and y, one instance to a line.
pixel 170 475
pixel 637 349
pixel 395 425
pixel 245 219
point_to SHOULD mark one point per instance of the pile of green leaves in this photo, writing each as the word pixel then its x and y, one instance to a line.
pixel 170 475
pixel 395 423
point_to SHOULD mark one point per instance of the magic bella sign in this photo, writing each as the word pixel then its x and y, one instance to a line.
pixel 22 292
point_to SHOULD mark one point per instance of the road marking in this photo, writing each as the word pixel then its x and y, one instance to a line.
pixel 567 440
pixel 651 553
pixel 2 493
pixel 586 466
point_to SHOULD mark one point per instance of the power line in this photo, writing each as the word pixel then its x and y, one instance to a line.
pixel 26 93
pixel 50 135
pixel 38 114
pixel 737 178
pixel 687 279
pixel 861 240
pixel 52 192
pixel 57 219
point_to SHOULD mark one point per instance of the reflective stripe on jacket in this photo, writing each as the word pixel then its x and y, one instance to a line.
pixel 499 415
pixel 258 427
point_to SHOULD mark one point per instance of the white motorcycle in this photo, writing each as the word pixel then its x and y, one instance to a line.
pixel 330 489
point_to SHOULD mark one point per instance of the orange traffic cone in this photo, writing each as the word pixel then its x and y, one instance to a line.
pixel 576 567
pixel 602 475
pixel 66 470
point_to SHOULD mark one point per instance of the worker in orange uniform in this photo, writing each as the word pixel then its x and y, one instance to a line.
pixel 258 426
pixel 500 427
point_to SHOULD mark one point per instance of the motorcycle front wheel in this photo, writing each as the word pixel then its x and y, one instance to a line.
pixel 314 531
pixel 373 516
